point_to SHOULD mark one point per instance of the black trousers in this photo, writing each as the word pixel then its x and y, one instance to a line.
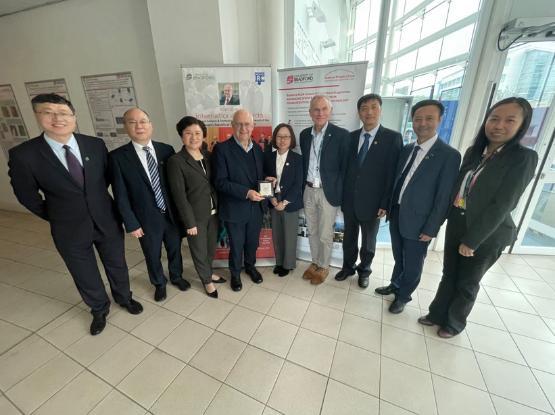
pixel 409 255
pixel 151 245
pixel 461 278
pixel 80 259
pixel 203 247
pixel 243 241
pixel 367 249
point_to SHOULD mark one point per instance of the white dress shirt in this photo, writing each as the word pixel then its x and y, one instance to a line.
pixel 142 155
pixel 424 148
pixel 280 162
pixel 315 154
pixel 60 151
pixel 372 133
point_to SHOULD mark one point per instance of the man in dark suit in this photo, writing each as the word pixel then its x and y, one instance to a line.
pixel 141 194
pixel 425 177
pixel 227 97
pixel 70 170
pixel 325 149
pixel 369 178
pixel 238 163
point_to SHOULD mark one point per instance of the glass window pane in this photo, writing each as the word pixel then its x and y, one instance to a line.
pixel 402 87
pixel 374 17
pixel 406 63
pixel 423 81
pixel 411 4
pixel 371 51
pixel 369 75
pixel 434 20
pixel 428 54
pixel 459 9
pixel 362 12
pixel 395 38
pixel 399 9
pixel 457 43
pixel 410 33
pixel 358 55
pixel 421 94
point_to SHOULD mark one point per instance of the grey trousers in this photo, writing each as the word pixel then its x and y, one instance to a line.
pixel 320 220
pixel 203 247
pixel 285 226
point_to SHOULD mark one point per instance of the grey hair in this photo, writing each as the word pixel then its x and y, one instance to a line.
pixel 324 97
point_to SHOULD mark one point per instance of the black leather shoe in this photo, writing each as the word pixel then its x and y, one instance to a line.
pixel 425 321
pixel 160 293
pixel 363 282
pixel 256 277
pixel 213 294
pixel 134 307
pixel 221 280
pixel 389 289
pixel 277 269
pixel 182 284
pixel 236 284
pixel 283 272
pixel 446 332
pixel 343 275
pixel 396 307
pixel 99 323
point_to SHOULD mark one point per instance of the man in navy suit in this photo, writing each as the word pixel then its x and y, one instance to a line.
pixel 62 178
pixel 426 173
pixel 324 147
pixel 238 163
pixel 373 157
pixel 140 191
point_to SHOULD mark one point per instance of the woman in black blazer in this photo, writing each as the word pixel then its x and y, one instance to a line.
pixel 189 177
pixel 285 168
pixel 495 172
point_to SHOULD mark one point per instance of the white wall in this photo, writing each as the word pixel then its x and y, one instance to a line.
pixel 71 39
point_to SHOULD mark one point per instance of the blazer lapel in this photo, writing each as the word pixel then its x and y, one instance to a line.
pixel 428 159
pixel 193 163
pixel 132 156
pixel 48 153
pixel 327 138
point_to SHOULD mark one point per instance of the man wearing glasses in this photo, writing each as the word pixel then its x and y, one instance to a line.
pixel 70 170
pixel 140 191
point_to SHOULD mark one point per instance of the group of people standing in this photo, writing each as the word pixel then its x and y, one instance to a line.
pixel 162 196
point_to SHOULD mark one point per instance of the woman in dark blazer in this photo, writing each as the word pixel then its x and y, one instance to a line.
pixel 285 168
pixel 495 172
pixel 189 177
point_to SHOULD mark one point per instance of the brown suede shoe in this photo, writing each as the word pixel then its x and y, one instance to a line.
pixel 309 273
pixel 320 275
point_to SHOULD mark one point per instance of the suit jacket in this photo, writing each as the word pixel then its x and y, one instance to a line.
pixel 191 189
pixel 132 188
pixel 427 197
pixel 291 183
pixel 333 160
pixel 71 211
pixel 369 187
pixel 233 180
pixel 495 195
pixel 234 100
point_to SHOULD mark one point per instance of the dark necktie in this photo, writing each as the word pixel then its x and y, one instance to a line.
pixel 401 181
pixel 363 149
pixel 74 167
pixel 155 179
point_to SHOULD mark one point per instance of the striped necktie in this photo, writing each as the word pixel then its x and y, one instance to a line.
pixel 155 179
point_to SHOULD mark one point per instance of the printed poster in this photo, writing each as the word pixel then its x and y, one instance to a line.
pixel 108 97
pixel 12 126
pixel 344 85
pixel 213 94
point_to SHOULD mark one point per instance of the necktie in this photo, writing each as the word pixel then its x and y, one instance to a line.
pixel 401 181
pixel 74 167
pixel 155 179
pixel 364 149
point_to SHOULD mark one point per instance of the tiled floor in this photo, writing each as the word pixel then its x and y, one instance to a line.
pixel 282 347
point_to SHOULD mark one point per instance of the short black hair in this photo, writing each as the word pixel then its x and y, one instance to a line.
pixel 368 97
pixel 187 121
pixel 426 103
pixel 51 99
pixel 291 132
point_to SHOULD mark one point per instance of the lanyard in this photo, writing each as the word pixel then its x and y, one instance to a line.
pixel 471 178
pixel 319 153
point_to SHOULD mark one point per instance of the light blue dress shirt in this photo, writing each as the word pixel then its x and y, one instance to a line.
pixel 60 152
pixel 249 147
pixel 314 155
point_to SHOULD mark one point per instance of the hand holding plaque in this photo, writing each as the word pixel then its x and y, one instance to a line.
pixel 265 188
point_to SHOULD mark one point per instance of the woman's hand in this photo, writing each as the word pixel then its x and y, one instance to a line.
pixel 274 201
pixel 465 250
pixel 280 206
pixel 192 231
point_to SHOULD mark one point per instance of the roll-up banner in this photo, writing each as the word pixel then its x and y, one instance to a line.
pixel 213 94
pixel 344 85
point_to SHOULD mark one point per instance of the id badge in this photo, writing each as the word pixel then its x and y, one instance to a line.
pixel 316 182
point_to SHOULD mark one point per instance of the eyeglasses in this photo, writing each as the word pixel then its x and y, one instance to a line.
pixel 242 125
pixel 283 136
pixel 133 123
pixel 60 115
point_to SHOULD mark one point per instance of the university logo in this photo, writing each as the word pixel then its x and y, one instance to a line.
pixel 302 78
pixel 259 77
